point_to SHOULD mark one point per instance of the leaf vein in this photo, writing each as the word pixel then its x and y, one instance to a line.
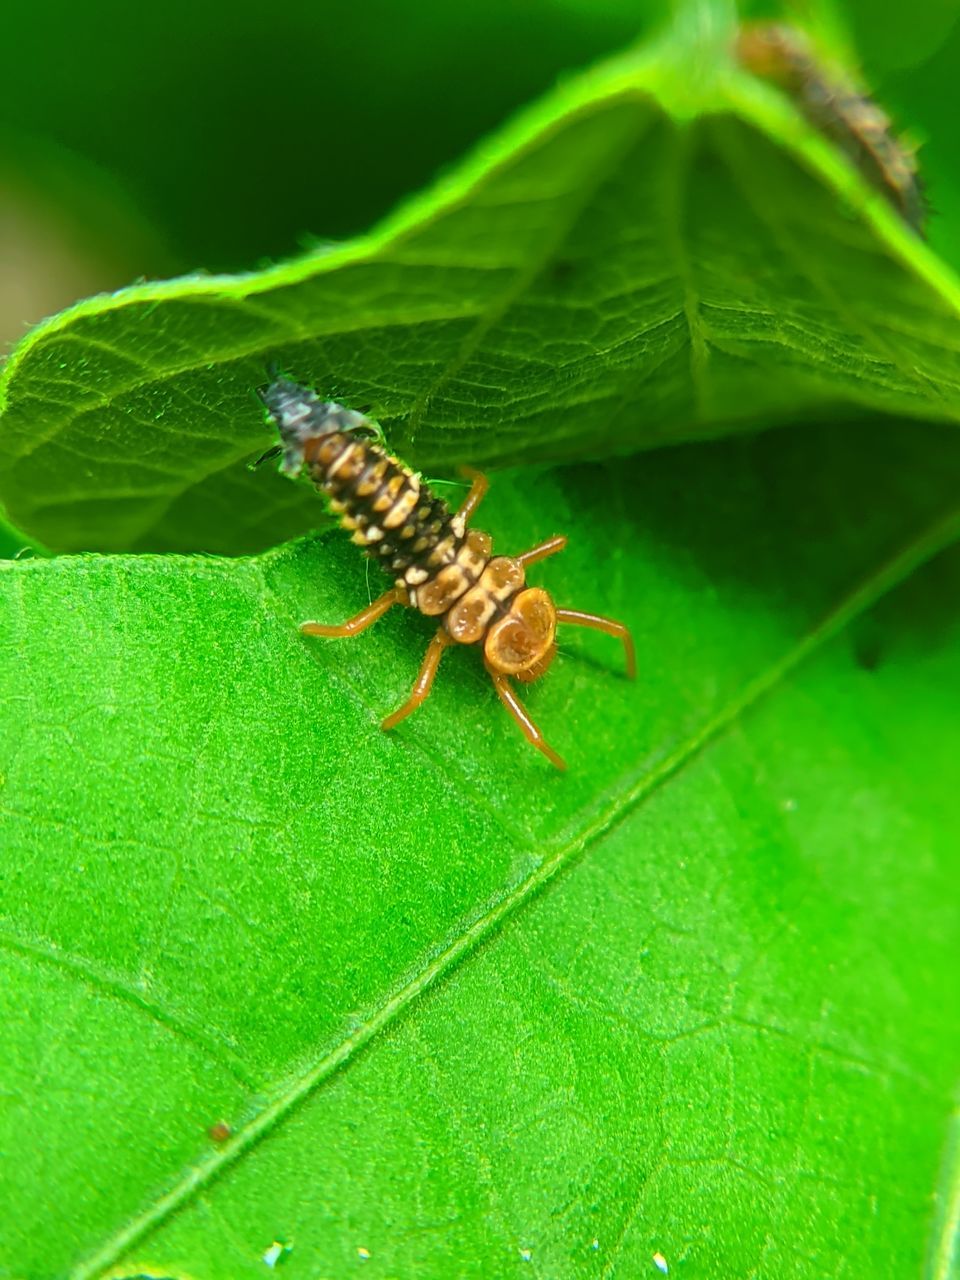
pixel 528 273
pixel 107 984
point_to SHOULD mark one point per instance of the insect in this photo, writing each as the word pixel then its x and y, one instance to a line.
pixel 833 105
pixel 440 567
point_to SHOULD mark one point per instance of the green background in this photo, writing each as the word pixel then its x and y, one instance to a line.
pixel 696 998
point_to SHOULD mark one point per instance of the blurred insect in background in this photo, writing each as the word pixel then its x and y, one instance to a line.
pixel 439 567
pixel 838 109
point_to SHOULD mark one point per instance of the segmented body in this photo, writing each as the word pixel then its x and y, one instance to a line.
pixel 445 570
pixel 838 109
pixel 390 513
pixel 439 566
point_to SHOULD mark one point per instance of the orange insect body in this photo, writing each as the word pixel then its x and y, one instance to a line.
pixel 782 54
pixel 439 567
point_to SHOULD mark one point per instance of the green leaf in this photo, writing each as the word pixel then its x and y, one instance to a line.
pixel 695 998
pixel 661 250
pixel 14 544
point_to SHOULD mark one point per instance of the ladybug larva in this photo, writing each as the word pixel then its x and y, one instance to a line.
pixel 439 567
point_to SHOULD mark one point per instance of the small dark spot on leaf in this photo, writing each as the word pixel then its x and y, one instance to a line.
pixel 219 1132
pixel 868 650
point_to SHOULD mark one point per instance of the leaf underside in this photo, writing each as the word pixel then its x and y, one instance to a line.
pixel 463 1013
pixel 647 257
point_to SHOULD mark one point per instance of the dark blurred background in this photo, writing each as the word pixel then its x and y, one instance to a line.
pixel 205 136
pixel 199 135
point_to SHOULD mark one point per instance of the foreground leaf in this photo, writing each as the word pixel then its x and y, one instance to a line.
pixel 662 250
pixel 695 997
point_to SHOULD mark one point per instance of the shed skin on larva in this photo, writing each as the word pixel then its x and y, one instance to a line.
pixel 439 567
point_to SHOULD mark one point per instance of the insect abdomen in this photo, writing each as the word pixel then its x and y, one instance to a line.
pixel 391 513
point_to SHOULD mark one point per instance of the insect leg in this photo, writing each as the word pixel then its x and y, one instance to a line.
pixel 542 550
pixel 365 618
pixel 519 713
pixel 615 629
pixel 421 690
pixel 478 489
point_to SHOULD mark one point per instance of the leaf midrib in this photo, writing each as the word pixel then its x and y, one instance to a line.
pixel 287 1096
pixel 525 276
